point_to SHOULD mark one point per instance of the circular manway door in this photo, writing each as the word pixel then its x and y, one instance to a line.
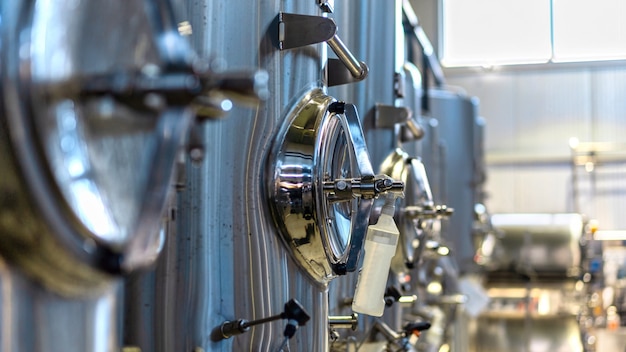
pixel 86 170
pixel 322 141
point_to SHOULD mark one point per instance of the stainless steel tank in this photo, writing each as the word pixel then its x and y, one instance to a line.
pixel 457 119
pixel 390 104
pixel 253 227
pixel 86 166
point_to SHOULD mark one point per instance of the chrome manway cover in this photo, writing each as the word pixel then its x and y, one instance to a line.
pixel 416 209
pixel 321 141
pixel 85 177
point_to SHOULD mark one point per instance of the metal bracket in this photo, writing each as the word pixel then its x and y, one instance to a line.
pixel 388 116
pixel 339 74
pixel 295 31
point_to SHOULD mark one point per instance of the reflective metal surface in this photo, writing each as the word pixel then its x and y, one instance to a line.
pixel 456 116
pixel 416 209
pixel 320 144
pixel 224 259
pixel 89 174
pixel 33 319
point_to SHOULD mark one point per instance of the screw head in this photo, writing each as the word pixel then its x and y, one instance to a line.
pixel 338 107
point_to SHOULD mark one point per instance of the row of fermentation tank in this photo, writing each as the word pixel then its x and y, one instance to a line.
pixel 201 176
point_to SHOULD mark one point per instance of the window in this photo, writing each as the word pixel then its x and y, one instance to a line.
pixel 589 30
pixel 501 32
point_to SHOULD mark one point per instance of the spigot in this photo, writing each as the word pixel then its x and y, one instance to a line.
pixel 364 187
pixel 294 312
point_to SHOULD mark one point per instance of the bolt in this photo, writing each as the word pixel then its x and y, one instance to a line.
pixel 341 185
pixel 338 107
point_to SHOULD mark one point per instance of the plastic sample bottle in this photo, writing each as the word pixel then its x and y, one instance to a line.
pixel 380 246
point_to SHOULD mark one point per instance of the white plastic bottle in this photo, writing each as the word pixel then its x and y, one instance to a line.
pixel 380 246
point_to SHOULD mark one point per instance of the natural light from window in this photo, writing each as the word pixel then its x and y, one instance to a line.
pixel 506 32
pixel 589 30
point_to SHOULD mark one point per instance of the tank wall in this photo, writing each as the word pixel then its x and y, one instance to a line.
pixel 223 258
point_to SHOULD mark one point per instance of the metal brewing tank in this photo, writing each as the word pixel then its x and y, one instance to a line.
pixel 223 259
pixel 62 248
pixel 460 167
pixel 375 32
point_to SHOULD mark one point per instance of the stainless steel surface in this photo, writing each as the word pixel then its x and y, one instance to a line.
pixel 224 259
pixel 80 123
pixel 418 195
pixel 96 102
pixel 357 68
pixel 33 319
pixel 57 163
pixel 375 35
pixel 297 30
pixel 456 116
pixel 318 144
pixel 300 30
pixel 428 52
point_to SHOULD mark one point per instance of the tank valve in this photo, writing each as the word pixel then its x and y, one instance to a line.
pixel 294 312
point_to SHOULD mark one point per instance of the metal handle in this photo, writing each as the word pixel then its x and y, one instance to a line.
pixel 295 31
pixel 358 69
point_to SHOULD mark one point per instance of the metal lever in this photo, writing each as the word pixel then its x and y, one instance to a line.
pixel 295 31
pixel 294 312
pixel 358 69
pixel 364 187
